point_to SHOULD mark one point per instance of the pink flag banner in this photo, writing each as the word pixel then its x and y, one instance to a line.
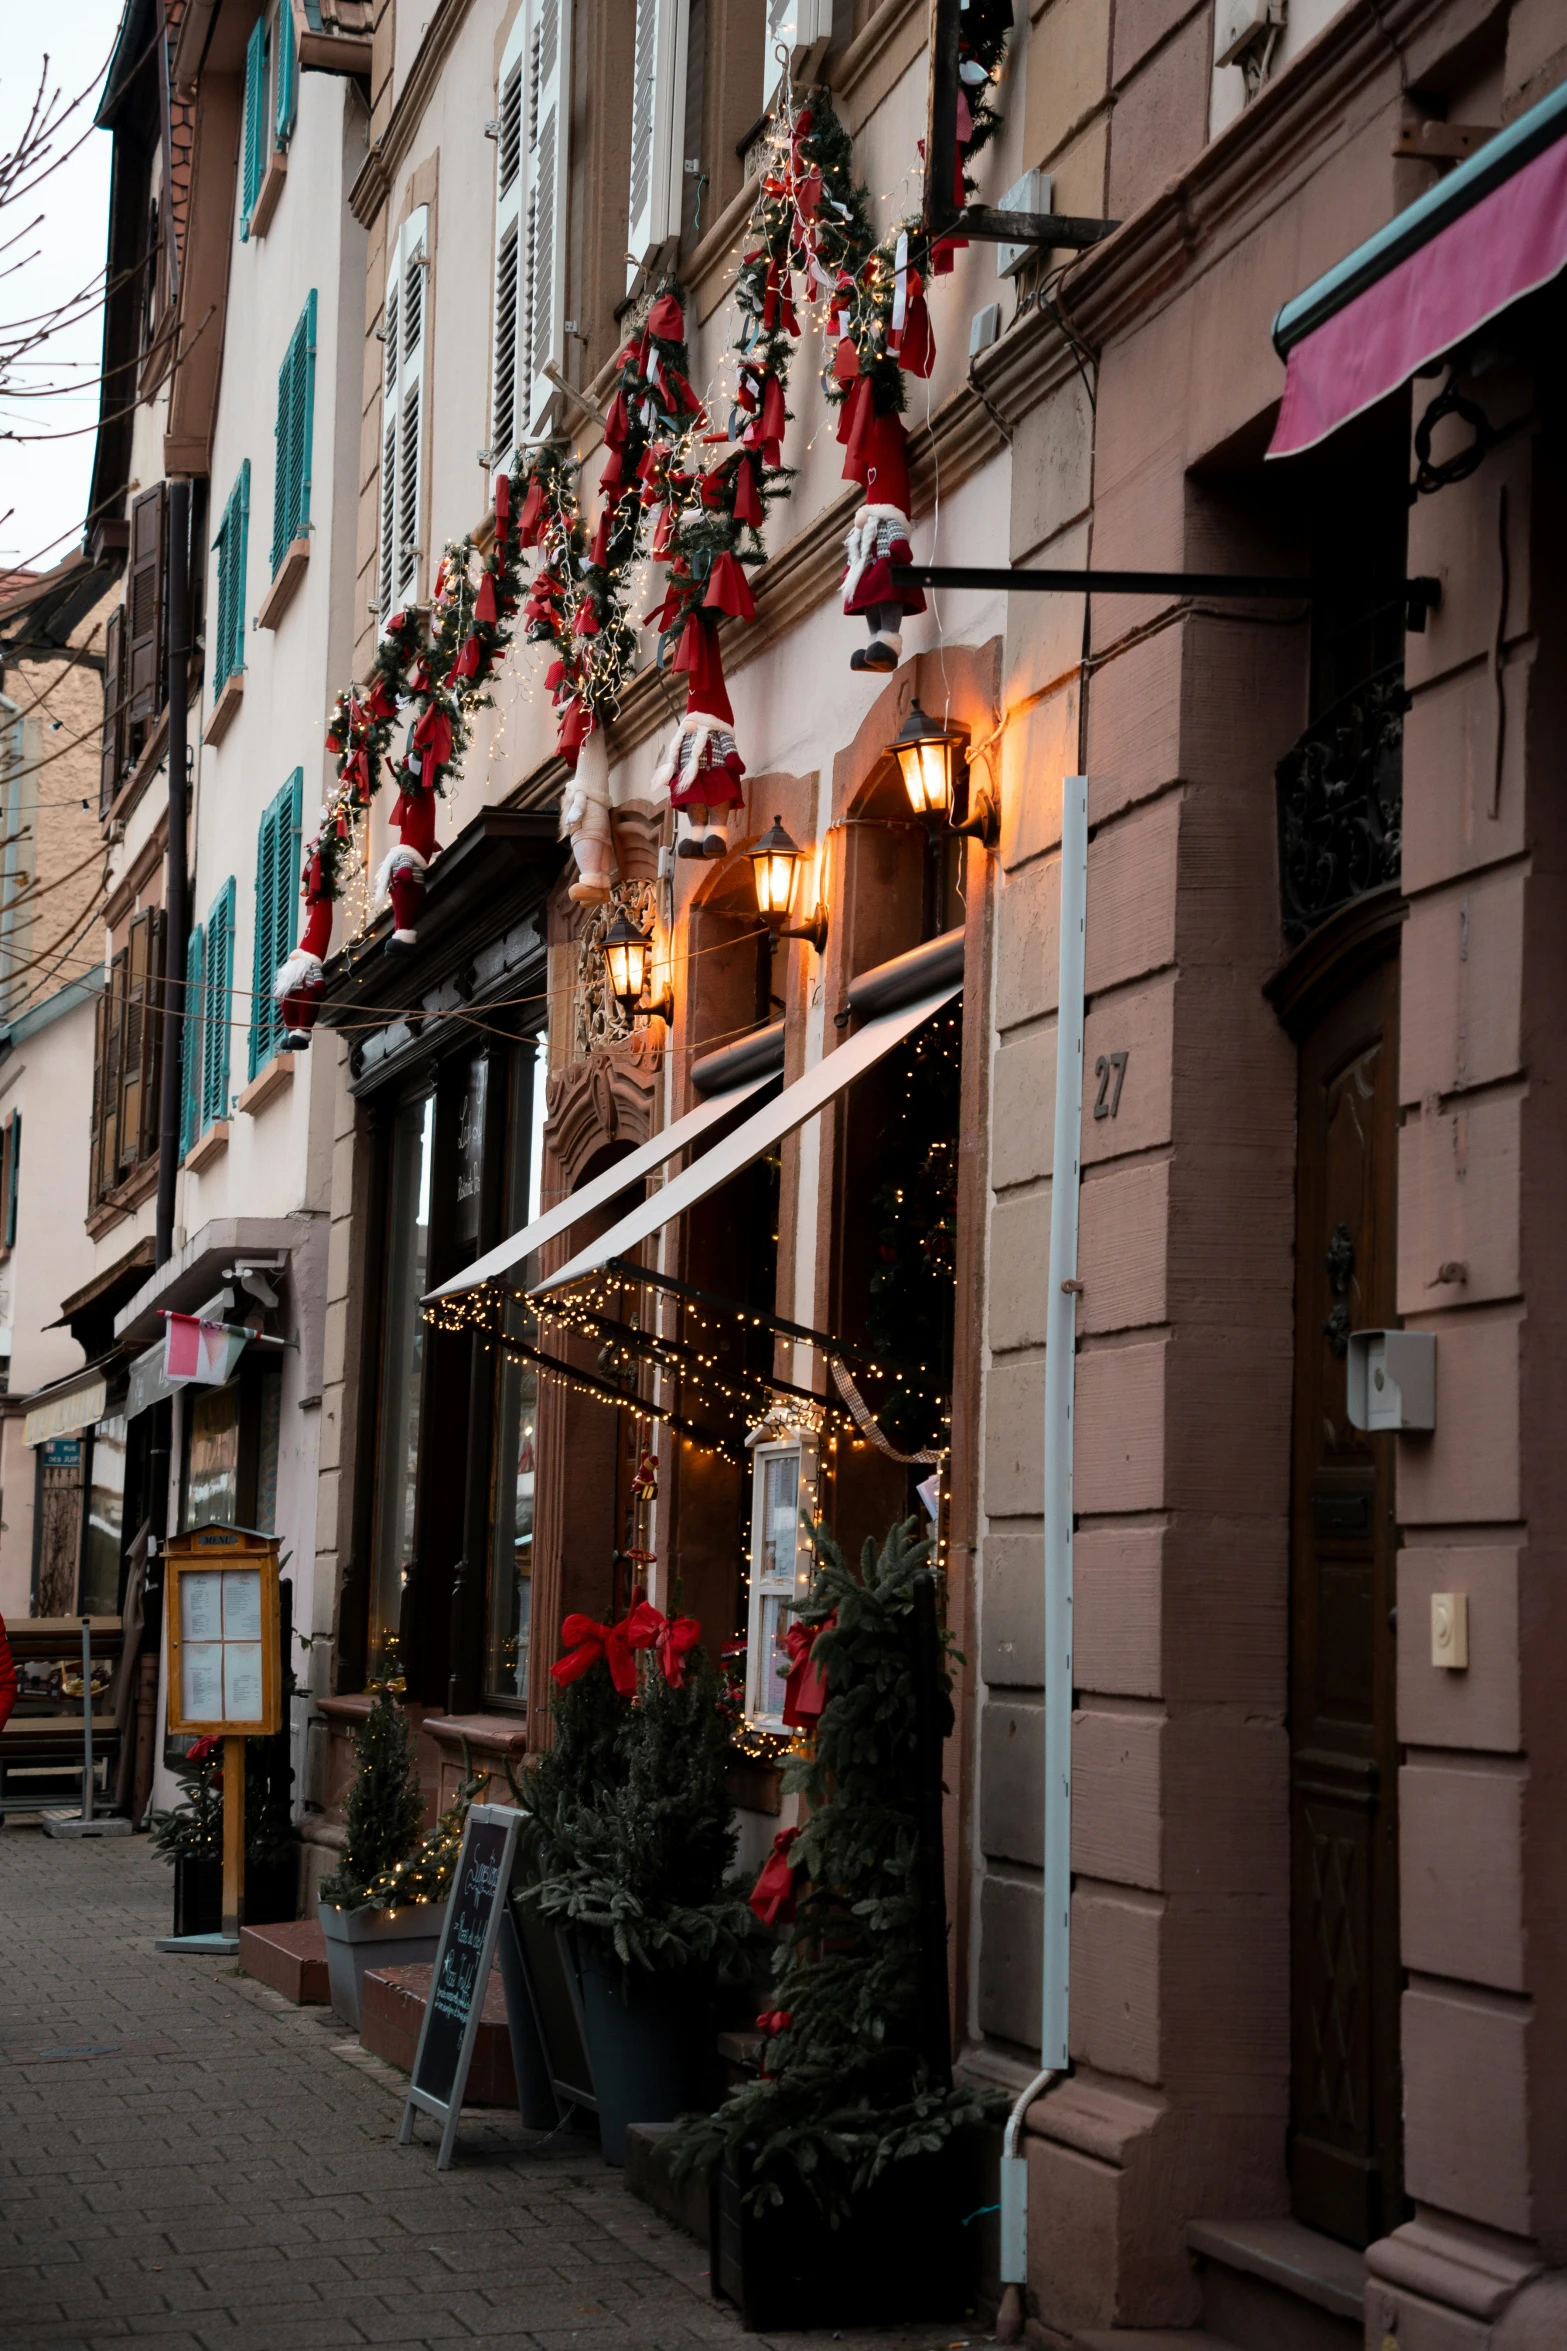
pixel 203 1352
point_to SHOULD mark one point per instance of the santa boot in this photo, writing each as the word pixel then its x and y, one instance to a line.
pixel 885 649
pixel 692 825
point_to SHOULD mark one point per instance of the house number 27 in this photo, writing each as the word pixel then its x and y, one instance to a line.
pixel 1110 1066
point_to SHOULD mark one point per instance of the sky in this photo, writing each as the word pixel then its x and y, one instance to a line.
pixel 44 482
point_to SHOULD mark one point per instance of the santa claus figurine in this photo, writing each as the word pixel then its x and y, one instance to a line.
pixel 701 766
pixel 584 821
pixel 879 538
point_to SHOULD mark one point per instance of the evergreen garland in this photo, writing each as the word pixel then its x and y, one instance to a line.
pixel 848 2087
pixel 426 1874
pixel 384 1808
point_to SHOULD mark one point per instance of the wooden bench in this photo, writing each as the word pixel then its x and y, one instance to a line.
pixel 41 1745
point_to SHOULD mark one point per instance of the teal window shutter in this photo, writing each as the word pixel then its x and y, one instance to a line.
pixel 287 74
pixel 277 899
pixel 190 1091
pixel 217 994
pixel 232 544
pixel 255 122
pixel 296 397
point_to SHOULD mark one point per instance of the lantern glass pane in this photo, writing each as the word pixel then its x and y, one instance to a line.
pixel 936 761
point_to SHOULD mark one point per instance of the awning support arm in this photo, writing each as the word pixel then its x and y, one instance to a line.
pixel 1421 595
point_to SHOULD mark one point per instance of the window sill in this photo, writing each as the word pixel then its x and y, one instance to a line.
pixel 290 572
pixel 225 706
pixel 124 1200
pixel 274 1078
pixel 754 1785
pixel 208 1147
pixel 271 189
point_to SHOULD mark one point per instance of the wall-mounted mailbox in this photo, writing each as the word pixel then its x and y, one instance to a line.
pixel 1392 1379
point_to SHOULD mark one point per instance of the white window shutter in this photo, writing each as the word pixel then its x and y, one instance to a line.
pixel 658 112
pixel 547 92
pixel 507 422
pixel 402 411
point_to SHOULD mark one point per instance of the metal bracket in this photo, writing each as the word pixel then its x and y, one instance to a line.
pixel 1422 595
pixel 944 218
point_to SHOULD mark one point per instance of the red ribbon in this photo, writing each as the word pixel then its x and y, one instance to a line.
pixel 805 1691
pixel 502 497
pixel 671 1638
pixel 530 523
pixel 666 320
pixel 772 1896
pixel 748 500
pixel 728 589
pixel 589 1641
pixel 484 602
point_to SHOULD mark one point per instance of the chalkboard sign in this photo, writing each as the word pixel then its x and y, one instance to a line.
pixel 462 1971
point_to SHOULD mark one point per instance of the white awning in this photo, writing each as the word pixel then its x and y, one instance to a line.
pixel 604 1188
pixel 765 1127
pixel 62 1415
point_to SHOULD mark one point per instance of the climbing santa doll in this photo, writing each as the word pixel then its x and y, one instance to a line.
pixel 878 539
pixel 701 765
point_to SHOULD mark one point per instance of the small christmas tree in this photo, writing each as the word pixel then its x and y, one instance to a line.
pixel 851 2080
pixel 426 1874
pixel 385 1807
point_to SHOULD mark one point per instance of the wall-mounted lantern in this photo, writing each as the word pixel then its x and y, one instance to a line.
pixel 776 861
pixel 931 757
pixel 628 956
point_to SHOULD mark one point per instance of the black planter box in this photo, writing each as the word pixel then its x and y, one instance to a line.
pixel 271 1894
pixel 902 2254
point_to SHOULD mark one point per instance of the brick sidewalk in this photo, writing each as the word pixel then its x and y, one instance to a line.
pixel 188 2164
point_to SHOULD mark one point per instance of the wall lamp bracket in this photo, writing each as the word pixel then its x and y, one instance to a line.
pixel 1422 595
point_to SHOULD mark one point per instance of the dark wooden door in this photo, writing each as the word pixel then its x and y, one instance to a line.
pixel 1345 2150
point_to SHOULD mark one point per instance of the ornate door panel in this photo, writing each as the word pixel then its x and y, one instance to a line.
pixel 1345 2154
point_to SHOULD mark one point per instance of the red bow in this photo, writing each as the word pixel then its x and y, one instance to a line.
pixel 728 589
pixel 589 1641
pixel 748 502
pixel 772 1896
pixel 671 1638
pixel 805 1691
pixel 667 320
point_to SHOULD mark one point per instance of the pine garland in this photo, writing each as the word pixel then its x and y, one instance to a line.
pixel 847 2087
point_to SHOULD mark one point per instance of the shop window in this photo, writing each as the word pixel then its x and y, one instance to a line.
pixel 296 396
pixel 103 1535
pixel 232 544
pixel 229 1470
pixel 128 1058
pixel 57 1519
pixel 277 913
pixel 509 1597
pixel 783 1501
pixel 402 410
pixel 406 1262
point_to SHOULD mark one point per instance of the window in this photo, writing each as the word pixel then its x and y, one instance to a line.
pixel 105 1526
pixel 114 710
pixel 277 895
pixel 209 981
pixel 783 1484
pixel 657 122
pixel 296 394
pixel 128 1058
pixel 258 59
pixel 402 1355
pixel 10 1174
pixel 144 605
pixel 531 159
pixel 228 636
pixel 402 422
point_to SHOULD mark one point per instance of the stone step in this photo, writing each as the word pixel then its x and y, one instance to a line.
pixel 1272 2285
pixel 647 2176
pixel 1147 2339
pixel 290 1958
pixel 392 2011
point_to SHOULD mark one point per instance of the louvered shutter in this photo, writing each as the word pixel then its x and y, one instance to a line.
pixel 217 993
pixel 233 544
pixel 144 602
pixel 13 1177
pixel 547 94
pixel 296 385
pixel 193 1038
pixel 658 100
pixel 146 1141
pixel 255 162
pixel 511 187
pixel 402 412
pixel 287 74
pixel 133 1044
pixel 112 1068
pixel 277 892
pixel 113 751
pixel 97 1182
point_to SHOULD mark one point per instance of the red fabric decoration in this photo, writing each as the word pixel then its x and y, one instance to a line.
pixel 599 551
pixel 845 364
pixel 774 419
pixel 884 448
pixel 573 732
pixel 772 1896
pixel 918 355
pixel 805 1692
pixel 502 497
pixel 728 589
pixel 588 1641
pixel 466 664
pixel 699 657
pixel 585 620
pixel 670 1637
pixel 855 420
pixel 618 423
pixel 316 937
pixel 610 479
pixel 748 497
pixel 414 816
pixel 405 888
pixel 484 602
pixel 667 320
pixel 530 522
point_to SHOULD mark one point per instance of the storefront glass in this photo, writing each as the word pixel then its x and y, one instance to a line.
pixel 516 1415
pixel 402 1356
pixel 212 1456
pixel 100 1588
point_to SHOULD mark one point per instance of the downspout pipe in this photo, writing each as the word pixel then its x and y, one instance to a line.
pixel 1060 1392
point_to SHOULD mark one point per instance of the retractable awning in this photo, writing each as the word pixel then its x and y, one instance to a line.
pixel 778 1118
pixel 661 1148
pixel 1493 231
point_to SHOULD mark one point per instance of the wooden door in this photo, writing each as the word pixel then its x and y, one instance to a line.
pixel 1345 2143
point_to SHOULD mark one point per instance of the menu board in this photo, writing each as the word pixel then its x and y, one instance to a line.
pixel 462 1971
pixel 223 1633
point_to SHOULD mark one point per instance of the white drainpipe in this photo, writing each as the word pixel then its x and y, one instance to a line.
pixel 1060 1381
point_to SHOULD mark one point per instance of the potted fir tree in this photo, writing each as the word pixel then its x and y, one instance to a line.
pixel 629 1848
pixel 190 1835
pixel 375 1912
pixel 854 2145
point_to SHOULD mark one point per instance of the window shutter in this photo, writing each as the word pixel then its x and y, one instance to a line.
pixel 277 891
pixel 548 156
pixel 255 122
pixel 113 1068
pixel 194 1032
pixel 13 1177
pixel 97 1184
pixel 402 422
pixel 133 1044
pixel 511 185
pixel 657 119
pixel 296 385
pixel 113 751
pixel 232 544
pixel 147 1133
pixel 287 74
pixel 217 993
pixel 144 601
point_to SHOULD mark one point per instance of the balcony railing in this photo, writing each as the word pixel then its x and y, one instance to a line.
pixel 1341 802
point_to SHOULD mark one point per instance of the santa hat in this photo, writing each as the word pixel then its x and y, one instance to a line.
pixel 401 869
pixel 699 658
pixel 886 463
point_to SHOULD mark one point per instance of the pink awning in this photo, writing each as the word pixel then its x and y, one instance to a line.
pixel 1513 240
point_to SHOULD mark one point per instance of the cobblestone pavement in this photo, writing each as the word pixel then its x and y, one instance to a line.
pixel 187 2163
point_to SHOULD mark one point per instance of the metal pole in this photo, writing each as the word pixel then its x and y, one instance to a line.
pixel 87 1718
pixel 176 893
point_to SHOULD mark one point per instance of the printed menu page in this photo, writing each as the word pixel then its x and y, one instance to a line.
pixel 242 1681
pixel 242 1604
pixel 201 1679
pixel 201 1606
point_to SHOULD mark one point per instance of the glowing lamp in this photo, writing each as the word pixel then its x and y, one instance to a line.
pixel 776 861
pixel 928 755
pixel 628 954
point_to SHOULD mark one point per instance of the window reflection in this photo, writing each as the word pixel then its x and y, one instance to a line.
pixel 100 1590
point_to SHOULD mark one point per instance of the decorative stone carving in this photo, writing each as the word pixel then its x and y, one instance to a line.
pixel 605 1096
pixel 1341 803
pixel 597 1018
